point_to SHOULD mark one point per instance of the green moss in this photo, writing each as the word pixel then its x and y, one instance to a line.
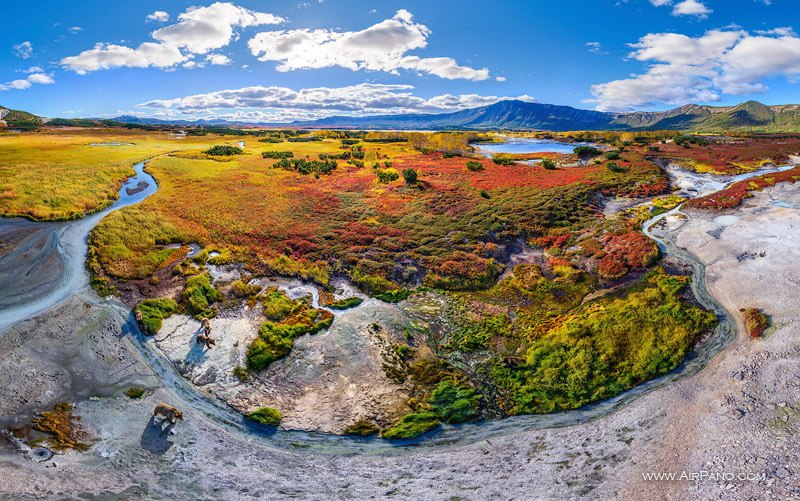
pixel 135 393
pixel 412 425
pixel 345 304
pixel 151 312
pixel 605 347
pixel 394 296
pixel 277 306
pixel 362 428
pixel 289 319
pixel 242 374
pixel 454 403
pixel 241 289
pixel 199 295
pixel 265 415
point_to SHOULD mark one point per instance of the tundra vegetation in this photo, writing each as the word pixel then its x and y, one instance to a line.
pixel 541 336
pixel 755 321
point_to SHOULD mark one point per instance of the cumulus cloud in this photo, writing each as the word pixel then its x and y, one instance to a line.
pixel 361 99
pixel 106 56
pixel 218 59
pixel 685 7
pixel 158 16
pixel 27 82
pixel 23 50
pixel 689 69
pixel 199 30
pixel 380 47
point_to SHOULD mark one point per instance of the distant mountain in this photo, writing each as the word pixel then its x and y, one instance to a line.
pixel 751 116
pixel 130 119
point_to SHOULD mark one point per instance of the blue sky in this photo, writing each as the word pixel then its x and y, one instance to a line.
pixel 280 60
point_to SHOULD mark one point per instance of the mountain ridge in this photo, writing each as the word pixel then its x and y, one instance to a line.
pixel 750 116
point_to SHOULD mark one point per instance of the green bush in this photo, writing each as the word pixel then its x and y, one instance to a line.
pixel 614 167
pixel 387 175
pixel 474 166
pixel 586 151
pixel 502 160
pixel 153 311
pixel 265 415
pixel 549 164
pixel 613 155
pixel 223 151
pixel 277 154
pixel 410 175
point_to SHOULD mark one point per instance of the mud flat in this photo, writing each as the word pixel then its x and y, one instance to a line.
pixel 329 381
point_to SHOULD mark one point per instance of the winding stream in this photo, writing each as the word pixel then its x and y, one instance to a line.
pixel 70 243
pixel 58 258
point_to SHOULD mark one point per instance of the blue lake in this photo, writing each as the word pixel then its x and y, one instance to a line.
pixel 527 145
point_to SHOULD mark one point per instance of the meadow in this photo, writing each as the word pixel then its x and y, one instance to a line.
pixel 399 215
pixel 65 174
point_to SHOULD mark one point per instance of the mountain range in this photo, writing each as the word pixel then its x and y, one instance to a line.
pixel 750 116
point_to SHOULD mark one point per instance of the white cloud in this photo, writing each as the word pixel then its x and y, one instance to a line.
pixel 381 47
pixel 27 82
pixel 685 69
pixel 199 30
pixel 361 99
pixel 33 69
pixel 105 56
pixel 75 29
pixel 500 79
pixel 218 59
pixel 596 48
pixel 158 16
pixel 691 8
pixel 685 7
pixel 23 50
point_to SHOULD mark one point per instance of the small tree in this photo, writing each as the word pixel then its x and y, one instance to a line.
pixel 586 151
pixel 410 175
pixel 549 164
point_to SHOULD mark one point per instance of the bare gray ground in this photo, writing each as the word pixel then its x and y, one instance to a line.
pixel 738 416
